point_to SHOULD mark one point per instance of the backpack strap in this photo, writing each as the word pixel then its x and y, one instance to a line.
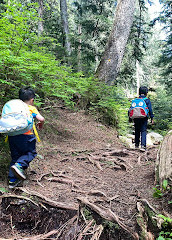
pixel 36 132
pixel 145 98
pixel 6 139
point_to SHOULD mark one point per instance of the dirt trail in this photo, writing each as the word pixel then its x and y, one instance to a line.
pixel 79 157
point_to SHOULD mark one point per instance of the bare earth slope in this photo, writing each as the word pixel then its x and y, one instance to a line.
pixel 79 157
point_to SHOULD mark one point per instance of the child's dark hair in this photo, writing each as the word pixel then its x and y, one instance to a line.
pixel 26 94
pixel 143 90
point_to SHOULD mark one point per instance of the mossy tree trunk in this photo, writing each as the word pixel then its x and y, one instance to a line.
pixel 163 167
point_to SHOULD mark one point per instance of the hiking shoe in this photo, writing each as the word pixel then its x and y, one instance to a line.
pixel 14 184
pixel 143 149
pixel 18 171
pixel 136 147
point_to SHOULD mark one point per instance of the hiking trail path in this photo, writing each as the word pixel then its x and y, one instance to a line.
pixel 81 159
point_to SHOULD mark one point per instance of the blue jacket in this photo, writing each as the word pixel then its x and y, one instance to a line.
pixel 149 105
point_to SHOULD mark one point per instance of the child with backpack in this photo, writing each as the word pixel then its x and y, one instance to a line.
pixel 139 111
pixel 23 146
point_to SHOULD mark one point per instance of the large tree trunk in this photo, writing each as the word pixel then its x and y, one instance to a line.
pixel 111 60
pixel 40 14
pixel 163 168
pixel 64 17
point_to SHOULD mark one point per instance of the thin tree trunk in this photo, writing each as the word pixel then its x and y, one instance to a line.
pixel 79 49
pixel 138 76
pixel 65 24
pixel 40 15
pixel 111 60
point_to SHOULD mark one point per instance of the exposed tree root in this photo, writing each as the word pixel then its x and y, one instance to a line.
pixel 117 152
pixel 85 230
pixel 94 162
pixel 50 202
pixel 66 181
pixel 56 232
pixel 118 163
pixel 108 215
pixel 19 197
pixel 148 219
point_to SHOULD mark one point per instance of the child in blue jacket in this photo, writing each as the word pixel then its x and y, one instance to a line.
pixel 140 124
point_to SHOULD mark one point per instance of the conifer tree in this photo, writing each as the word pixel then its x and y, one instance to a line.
pixel 166 58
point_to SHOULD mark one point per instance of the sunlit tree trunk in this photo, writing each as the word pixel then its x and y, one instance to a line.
pixel 64 17
pixel 137 76
pixel 79 49
pixel 40 15
pixel 111 60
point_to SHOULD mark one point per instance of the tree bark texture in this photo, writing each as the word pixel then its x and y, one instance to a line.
pixel 111 60
pixel 138 76
pixel 65 24
pixel 163 167
pixel 40 15
pixel 79 49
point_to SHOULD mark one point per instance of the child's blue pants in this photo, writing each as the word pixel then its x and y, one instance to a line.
pixel 23 151
pixel 140 129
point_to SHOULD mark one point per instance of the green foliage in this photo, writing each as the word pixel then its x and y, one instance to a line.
pixel 165 236
pixel 162 103
pixel 24 61
pixel 166 233
pixel 165 184
pixel 167 220
pixel 95 19
pixel 111 106
pixel 87 214
pixel 159 192
pixel 111 227
pixel 4 159
pixel 3 190
pixel 165 60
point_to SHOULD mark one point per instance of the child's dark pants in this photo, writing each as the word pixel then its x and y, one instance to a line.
pixel 140 129
pixel 23 151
